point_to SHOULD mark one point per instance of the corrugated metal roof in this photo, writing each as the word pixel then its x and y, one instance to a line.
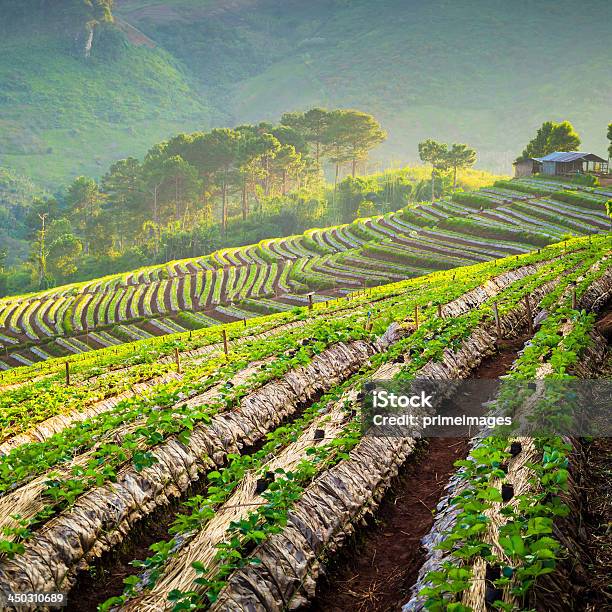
pixel 563 156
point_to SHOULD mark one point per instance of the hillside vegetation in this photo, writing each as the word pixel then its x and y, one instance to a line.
pixel 16 195
pixel 67 110
pixel 510 217
pixel 455 71
pixel 197 192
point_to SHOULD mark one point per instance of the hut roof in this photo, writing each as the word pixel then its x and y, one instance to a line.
pixel 525 159
pixel 569 156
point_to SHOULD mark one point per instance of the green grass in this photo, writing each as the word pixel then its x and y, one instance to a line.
pixel 62 115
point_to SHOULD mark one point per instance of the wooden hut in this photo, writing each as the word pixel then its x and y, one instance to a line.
pixel 526 167
pixel 563 162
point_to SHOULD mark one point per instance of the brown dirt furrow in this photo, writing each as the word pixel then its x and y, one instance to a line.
pixel 154 307
pixel 180 295
pixel 596 490
pixel 224 285
pixel 167 292
pixel 96 313
pixel 376 572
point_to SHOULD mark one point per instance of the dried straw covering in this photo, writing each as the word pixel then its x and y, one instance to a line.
pixel 28 496
pixel 558 590
pixel 201 546
pixel 179 575
pixel 49 427
pixel 104 515
pixel 333 505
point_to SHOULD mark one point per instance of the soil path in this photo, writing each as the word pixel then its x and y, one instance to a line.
pixel 598 518
pixel 377 571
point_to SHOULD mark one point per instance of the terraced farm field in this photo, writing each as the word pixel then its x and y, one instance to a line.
pixel 510 218
pixel 183 472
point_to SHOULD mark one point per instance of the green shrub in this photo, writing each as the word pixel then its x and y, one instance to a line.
pixel 188 320
pixel 587 180
pixel 67 321
pixel 408 215
pixel 473 228
pixel 266 255
pixel 360 231
pixel 312 245
pixel 419 261
pixel 121 334
pixel 520 187
pixel 577 179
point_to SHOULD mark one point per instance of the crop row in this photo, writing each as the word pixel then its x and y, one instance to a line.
pixel 214 576
pixel 125 439
pixel 418 239
pixel 510 492
pixel 103 357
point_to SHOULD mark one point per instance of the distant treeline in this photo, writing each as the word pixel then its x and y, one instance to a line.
pixel 276 215
pixel 204 187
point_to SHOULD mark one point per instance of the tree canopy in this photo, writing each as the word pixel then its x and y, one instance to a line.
pixel 436 154
pixel 443 158
pixel 341 135
pixel 460 156
pixel 201 179
pixel 551 137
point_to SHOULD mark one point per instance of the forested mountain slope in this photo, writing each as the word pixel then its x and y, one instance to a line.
pixel 461 71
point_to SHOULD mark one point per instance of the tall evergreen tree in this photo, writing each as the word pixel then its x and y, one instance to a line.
pixel 313 125
pixel 436 154
pixel 460 156
pixel 84 200
pixel 350 136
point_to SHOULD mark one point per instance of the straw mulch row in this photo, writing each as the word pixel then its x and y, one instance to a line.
pixel 557 590
pixel 340 499
pixel 102 517
pixel 201 546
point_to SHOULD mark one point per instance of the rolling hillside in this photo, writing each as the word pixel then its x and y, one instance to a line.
pixel 186 473
pixel 509 218
pixel 469 72
pixel 66 111
pixel 406 408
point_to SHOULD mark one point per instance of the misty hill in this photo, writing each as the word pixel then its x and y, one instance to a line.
pixel 486 72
